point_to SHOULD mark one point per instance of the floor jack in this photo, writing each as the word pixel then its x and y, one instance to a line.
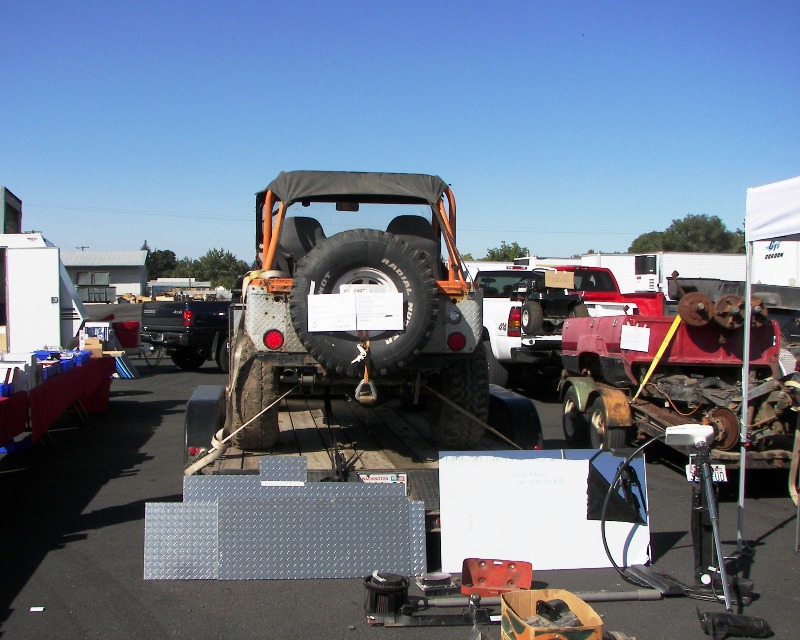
pixel 711 572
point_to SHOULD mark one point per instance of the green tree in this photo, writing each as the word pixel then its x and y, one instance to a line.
pixel 160 263
pixel 648 243
pixel 695 232
pixel 184 268
pixel 220 267
pixel 506 252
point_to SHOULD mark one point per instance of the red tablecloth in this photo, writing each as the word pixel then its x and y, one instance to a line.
pixel 13 416
pixel 51 398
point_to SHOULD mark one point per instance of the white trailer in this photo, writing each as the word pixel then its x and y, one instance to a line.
pixel 776 262
pixel 652 270
pixel 41 307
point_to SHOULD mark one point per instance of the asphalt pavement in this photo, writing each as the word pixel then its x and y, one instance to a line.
pixel 72 536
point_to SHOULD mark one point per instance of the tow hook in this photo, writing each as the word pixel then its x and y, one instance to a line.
pixel 366 396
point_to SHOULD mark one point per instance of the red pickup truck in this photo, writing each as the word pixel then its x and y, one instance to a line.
pixel 569 291
pixel 598 286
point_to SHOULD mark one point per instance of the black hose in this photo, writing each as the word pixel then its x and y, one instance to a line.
pixel 613 487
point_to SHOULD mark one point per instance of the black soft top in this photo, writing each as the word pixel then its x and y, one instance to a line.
pixel 351 186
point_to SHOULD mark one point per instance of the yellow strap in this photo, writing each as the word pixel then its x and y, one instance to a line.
pixel 659 353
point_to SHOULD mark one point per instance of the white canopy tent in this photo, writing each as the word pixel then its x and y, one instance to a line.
pixel 772 212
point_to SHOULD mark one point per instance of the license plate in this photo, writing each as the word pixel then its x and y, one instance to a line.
pixel 718 473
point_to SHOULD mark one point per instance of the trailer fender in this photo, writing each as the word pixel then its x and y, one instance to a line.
pixel 584 387
pixel 618 408
pixel 205 415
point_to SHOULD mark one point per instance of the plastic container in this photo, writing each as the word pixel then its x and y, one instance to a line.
pixel 127 333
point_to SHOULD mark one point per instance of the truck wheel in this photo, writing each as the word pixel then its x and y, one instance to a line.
pixel 188 359
pixel 576 427
pixel 498 373
pixel 602 436
pixel 465 382
pixel 580 310
pixel 366 256
pixel 255 390
pixel 532 318
pixel 223 356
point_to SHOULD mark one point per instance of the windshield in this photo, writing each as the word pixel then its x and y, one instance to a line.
pixel 500 284
pixel 593 281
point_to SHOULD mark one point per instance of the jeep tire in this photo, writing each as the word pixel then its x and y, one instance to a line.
pixel 254 389
pixel 466 383
pixel 366 256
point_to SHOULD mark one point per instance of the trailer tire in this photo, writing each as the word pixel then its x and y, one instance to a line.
pixel 366 256
pixel 602 436
pixel 188 359
pixel 466 383
pixel 255 390
pixel 532 318
pixel 498 372
pixel 573 420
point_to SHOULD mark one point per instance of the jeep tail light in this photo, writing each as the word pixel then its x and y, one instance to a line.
pixel 193 451
pixel 273 339
pixel 188 318
pixel 514 323
pixel 456 341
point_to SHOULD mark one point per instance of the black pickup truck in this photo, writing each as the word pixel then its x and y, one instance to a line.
pixel 191 332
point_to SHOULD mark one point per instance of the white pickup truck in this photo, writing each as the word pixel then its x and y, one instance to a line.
pixel 512 343
pixel 498 283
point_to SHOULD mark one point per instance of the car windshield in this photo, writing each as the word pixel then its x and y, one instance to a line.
pixel 593 281
pixel 500 284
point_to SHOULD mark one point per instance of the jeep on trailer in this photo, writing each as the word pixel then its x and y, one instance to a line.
pixel 374 309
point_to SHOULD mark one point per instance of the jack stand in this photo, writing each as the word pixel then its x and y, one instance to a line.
pixel 709 497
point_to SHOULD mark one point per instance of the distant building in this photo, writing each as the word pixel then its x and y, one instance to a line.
pixel 181 287
pixel 102 276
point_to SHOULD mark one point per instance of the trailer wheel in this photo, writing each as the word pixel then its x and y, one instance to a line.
pixel 466 383
pixel 188 359
pixel 576 427
pixel 532 318
pixel 498 373
pixel 366 256
pixel 602 436
pixel 255 390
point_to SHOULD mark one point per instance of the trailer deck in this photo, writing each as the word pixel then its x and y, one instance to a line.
pixel 388 438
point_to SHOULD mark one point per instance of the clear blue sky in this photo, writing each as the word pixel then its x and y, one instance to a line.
pixel 564 126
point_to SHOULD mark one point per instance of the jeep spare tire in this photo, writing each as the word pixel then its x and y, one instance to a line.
pixel 366 256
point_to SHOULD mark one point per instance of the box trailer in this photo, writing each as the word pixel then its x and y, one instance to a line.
pixel 653 269
pixel 40 307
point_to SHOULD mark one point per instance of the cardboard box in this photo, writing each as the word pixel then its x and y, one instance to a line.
pixel 95 345
pixel 516 606
pixel 559 279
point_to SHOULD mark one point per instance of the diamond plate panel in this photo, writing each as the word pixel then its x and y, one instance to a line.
pixel 417 538
pixel 263 313
pixel 180 541
pixel 249 487
pixel 278 468
pixel 471 325
pixel 308 537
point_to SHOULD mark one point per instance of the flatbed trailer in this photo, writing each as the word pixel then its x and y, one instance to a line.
pixel 392 438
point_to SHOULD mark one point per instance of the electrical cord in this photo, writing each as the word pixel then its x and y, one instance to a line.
pixel 613 487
